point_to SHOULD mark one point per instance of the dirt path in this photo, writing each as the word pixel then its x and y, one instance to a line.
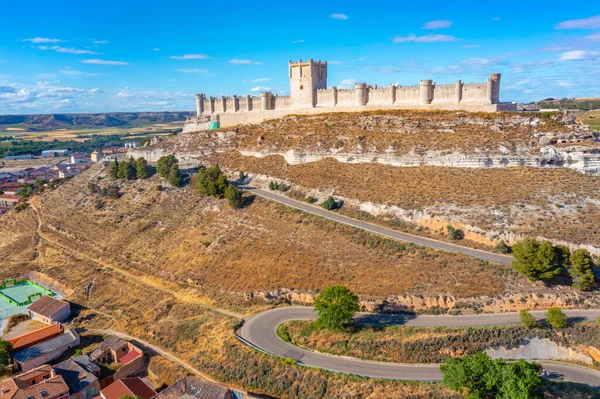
pixel 141 279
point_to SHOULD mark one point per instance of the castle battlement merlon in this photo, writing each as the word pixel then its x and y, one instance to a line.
pixel 309 91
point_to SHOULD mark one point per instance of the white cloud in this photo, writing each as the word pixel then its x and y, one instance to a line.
pixel 70 50
pixel 565 83
pixel 595 37
pixel 189 57
pixel 470 45
pixel 236 61
pixel 297 41
pixel 61 92
pixel 155 49
pixel 100 42
pixel 584 23
pixel 42 40
pixel 347 84
pixel 192 70
pixel 95 91
pixel 495 18
pixel 437 24
pixel 431 38
pixel 3 61
pixel 260 88
pixel 70 72
pixel 578 55
pixel 104 62
pixel 334 62
pixel 259 80
pixel 43 83
pixel 343 17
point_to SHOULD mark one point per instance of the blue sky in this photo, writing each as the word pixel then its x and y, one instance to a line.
pixel 97 56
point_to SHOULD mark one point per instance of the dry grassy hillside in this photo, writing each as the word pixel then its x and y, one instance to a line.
pixel 558 204
pixel 225 255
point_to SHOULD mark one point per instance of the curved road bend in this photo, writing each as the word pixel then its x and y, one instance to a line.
pixel 260 332
pixel 397 235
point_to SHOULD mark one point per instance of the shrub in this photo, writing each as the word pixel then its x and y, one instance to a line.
pixel 581 269
pixel 164 164
pixel 556 318
pixel 535 260
pixel 451 232
pixel 158 187
pixel 142 169
pixel 234 196
pixel 310 199
pixel 92 188
pixel 114 169
pixel 277 186
pixel 174 177
pixel 527 319
pixel 502 248
pixel 211 181
pixel 336 306
pixel 330 203
pixel 241 176
pixel 98 204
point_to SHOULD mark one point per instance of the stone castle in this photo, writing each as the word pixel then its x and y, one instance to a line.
pixel 309 94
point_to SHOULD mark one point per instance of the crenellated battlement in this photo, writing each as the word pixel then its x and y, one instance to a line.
pixel 309 93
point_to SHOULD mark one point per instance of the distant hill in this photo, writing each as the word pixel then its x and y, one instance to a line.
pixel 111 119
pixel 583 104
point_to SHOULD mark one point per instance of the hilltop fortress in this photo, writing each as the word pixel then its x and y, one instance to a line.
pixel 309 94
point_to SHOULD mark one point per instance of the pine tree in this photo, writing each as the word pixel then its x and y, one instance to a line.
pixel 581 269
pixel 174 176
pixel 141 167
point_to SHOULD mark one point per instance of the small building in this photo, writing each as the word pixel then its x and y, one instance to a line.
pixel 54 153
pixel 39 383
pixel 194 388
pixel 18 157
pixel 115 350
pixel 134 387
pixel 79 158
pixel 34 337
pixel 49 310
pixel 132 144
pixel 8 200
pixel 81 376
pixel 96 156
pixel 47 351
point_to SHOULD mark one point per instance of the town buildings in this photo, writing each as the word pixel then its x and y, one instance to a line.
pixel 49 310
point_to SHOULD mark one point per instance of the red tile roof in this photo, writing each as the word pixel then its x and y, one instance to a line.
pixel 128 387
pixel 33 337
pixel 131 356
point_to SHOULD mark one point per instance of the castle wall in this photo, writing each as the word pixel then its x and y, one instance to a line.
pixel 444 94
pixel 380 95
pixel 407 94
pixel 256 103
pixel 282 102
pixel 325 98
pixel 346 97
pixel 475 93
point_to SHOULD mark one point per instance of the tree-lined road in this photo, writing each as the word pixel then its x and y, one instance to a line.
pixel 383 231
pixel 260 331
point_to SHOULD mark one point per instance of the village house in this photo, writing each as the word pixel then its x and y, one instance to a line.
pixel 79 157
pixel 39 383
pixel 34 337
pixel 46 351
pixel 134 387
pixel 117 351
pixel 49 310
pixel 54 153
pixel 194 388
pixel 96 156
pixel 81 376
pixel 8 200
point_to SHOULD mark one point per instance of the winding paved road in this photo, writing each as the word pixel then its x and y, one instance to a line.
pixel 397 235
pixel 260 332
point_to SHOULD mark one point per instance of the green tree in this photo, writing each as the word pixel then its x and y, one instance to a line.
pixel 336 306
pixel 329 203
pixel 174 176
pixel 535 260
pixel 164 164
pixel 5 349
pixel 556 318
pixel 563 254
pixel 527 319
pixel 234 196
pixel 127 170
pixel 211 181
pixel 114 169
pixel 477 377
pixel 141 168
pixel 451 232
pixel 502 248
pixel 581 269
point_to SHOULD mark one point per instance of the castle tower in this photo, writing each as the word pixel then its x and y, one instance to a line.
pixel 493 88
pixel 305 79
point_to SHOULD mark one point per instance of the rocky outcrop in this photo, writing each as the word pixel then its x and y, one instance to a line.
pixel 540 349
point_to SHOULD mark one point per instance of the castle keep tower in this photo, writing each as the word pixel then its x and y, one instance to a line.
pixel 305 79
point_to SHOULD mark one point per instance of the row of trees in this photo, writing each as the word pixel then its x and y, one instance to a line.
pixel 540 260
pixel 130 170
pixel 556 317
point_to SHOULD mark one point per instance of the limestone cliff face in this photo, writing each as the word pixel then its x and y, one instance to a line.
pixel 406 140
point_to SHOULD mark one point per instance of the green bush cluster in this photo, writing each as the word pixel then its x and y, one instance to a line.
pixel 330 204
pixel 277 186
pixel 110 191
pixel 211 181
pixel 542 261
pixel 168 168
